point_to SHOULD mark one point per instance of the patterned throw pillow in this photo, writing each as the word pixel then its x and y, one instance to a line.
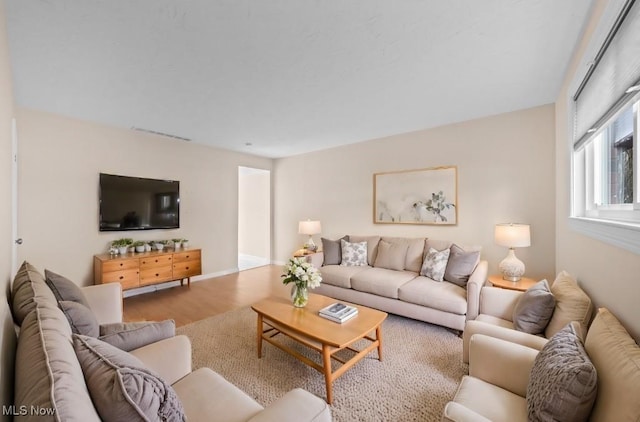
pixel 353 254
pixel 435 264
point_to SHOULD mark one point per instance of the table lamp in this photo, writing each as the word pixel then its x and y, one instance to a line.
pixel 309 227
pixel 512 236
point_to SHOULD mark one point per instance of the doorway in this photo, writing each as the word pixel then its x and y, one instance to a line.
pixel 254 217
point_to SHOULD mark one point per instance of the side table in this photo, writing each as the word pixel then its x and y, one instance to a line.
pixel 521 285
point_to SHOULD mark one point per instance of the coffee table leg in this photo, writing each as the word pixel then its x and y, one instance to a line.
pixel 259 336
pixel 379 337
pixel 326 363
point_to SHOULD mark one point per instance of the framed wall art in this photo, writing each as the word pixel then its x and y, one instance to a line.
pixel 425 196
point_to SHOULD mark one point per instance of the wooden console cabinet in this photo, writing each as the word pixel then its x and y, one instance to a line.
pixel 143 269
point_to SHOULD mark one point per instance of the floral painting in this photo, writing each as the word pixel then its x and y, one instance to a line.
pixel 426 196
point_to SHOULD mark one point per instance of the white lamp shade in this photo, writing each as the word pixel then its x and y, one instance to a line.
pixel 513 235
pixel 309 227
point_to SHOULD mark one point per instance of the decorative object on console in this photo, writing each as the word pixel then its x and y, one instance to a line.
pixel 425 196
pixel 122 245
pixel 139 246
pixel 310 228
pixel 304 276
pixel 512 236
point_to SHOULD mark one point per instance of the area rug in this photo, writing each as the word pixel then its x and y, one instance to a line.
pixel 420 371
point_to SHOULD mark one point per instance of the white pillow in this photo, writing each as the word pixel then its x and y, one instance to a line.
pixel 435 264
pixel 353 254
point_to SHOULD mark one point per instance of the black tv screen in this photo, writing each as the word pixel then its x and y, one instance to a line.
pixel 136 203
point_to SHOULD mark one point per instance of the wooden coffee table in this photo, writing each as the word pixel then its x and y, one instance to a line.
pixel 278 316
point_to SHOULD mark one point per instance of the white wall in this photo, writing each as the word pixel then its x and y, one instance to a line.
pixel 610 275
pixel 7 334
pixel 59 164
pixel 505 174
pixel 254 219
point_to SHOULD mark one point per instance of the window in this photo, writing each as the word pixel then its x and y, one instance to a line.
pixel 606 106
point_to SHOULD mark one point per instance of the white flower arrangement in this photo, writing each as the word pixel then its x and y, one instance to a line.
pixel 302 273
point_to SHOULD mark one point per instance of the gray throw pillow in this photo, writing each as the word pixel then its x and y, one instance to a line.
pixel 461 265
pixel 64 289
pixel 534 309
pixel 128 336
pixel 81 319
pixel 332 251
pixel 121 388
pixel 563 382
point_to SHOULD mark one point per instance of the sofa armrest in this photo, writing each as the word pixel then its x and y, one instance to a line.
pixel 455 412
pixel 316 259
pixel 496 331
pixel 105 301
pixel 476 281
pixel 498 302
pixel 501 363
pixel 296 406
pixel 170 358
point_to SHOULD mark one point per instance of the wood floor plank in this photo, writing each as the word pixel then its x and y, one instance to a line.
pixel 207 297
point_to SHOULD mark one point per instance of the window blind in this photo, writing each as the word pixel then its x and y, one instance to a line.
pixel 615 69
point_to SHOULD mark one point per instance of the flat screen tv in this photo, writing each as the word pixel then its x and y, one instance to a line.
pixel 136 203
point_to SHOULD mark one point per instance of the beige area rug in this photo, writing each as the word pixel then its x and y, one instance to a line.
pixel 420 371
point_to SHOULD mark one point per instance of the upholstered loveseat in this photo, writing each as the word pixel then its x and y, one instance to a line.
pixel 390 278
pixel 56 371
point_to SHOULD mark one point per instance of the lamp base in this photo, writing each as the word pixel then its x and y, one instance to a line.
pixel 310 245
pixel 511 267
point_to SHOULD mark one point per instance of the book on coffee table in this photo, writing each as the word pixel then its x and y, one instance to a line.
pixel 338 312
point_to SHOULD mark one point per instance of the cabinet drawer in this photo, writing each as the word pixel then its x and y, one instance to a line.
pixel 156 275
pixel 186 269
pixel 155 261
pixel 128 278
pixel 119 264
pixel 186 256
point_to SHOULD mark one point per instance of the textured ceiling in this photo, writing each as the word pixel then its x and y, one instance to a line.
pixel 288 76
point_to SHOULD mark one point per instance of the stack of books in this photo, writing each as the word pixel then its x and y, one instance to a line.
pixel 338 312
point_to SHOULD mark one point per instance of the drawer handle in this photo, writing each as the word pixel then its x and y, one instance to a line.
pixel 157 275
pixel 187 268
pixel 187 256
pixel 121 277
pixel 156 260
pixel 121 264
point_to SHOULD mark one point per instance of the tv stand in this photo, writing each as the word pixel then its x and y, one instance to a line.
pixel 134 270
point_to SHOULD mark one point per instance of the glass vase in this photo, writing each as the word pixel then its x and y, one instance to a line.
pixel 299 296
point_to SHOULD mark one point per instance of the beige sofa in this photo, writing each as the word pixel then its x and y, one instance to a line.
pixel 49 377
pixel 498 385
pixel 399 288
pixel 496 314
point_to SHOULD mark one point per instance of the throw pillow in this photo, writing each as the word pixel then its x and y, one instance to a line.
pixel 534 309
pixel 133 335
pixel 563 381
pixel 121 388
pixel 64 289
pixel 353 254
pixel 435 264
pixel 81 319
pixel 572 304
pixel 461 265
pixel 391 255
pixel 332 251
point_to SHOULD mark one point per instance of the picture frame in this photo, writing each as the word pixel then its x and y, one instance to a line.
pixel 422 196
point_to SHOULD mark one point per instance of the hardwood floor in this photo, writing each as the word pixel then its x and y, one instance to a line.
pixel 207 297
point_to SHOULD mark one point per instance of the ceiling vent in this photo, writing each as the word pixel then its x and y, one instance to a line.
pixel 180 138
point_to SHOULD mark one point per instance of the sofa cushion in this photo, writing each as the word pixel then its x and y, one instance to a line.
pixel 443 296
pixel 381 281
pixel 482 398
pixel 435 264
pixel 563 382
pixel 372 246
pixel 415 251
pixel 534 309
pixel 616 356
pixel 81 318
pixel 65 289
pixel 339 275
pixel 133 335
pixel 28 287
pixel 391 255
pixel 354 254
pixel 332 251
pixel 572 304
pixel 47 372
pixel 121 387
pixel 460 265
